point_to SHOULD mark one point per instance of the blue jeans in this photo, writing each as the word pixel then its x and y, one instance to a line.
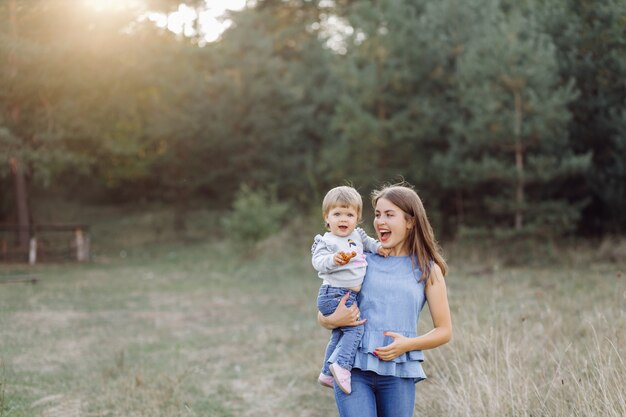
pixel 327 301
pixel 376 395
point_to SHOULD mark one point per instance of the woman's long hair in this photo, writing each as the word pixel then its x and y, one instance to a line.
pixel 421 239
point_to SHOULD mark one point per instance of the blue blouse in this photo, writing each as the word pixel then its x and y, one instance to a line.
pixel 391 300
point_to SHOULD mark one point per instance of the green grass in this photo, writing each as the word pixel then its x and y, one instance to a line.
pixel 174 328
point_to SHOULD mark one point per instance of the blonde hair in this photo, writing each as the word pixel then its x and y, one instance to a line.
pixel 421 239
pixel 342 196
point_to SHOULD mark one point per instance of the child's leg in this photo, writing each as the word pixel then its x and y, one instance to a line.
pixel 327 301
pixel 350 339
pixel 345 353
pixel 330 348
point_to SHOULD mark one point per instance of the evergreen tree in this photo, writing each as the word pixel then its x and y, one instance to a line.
pixel 276 95
pixel 509 154
pixel 591 49
pixel 384 117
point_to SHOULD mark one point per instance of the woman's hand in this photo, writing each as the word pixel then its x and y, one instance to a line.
pixel 342 316
pixel 437 297
pixel 400 345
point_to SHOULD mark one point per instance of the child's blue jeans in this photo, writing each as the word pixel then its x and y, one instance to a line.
pixel 350 337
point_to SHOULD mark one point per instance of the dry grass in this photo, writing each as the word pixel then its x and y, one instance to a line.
pixel 549 344
pixel 196 331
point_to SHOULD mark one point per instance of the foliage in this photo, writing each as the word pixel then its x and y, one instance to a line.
pixel 591 47
pixel 507 115
pixel 511 138
pixel 256 214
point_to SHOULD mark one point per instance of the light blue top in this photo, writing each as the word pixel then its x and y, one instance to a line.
pixel 391 300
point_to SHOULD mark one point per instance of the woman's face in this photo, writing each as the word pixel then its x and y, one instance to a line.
pixel 391 227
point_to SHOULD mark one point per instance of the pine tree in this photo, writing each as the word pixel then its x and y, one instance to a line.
pixel 385 118
pixel 276 93
pixel 510 153
pixel 591 49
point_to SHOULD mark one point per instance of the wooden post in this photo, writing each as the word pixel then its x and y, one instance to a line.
pixel 82 246
pixel 32 251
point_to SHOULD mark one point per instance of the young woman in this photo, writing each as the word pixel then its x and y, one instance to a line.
pixel 388 360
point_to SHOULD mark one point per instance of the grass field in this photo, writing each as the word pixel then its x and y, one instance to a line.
pixel 155 327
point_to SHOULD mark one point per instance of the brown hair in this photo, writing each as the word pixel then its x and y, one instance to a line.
pixel 421 240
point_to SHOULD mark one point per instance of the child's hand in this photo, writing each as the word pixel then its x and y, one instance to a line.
pixel 342 258
pixel 383 252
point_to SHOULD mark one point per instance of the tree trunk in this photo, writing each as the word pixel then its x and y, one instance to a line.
pixel 17 167
pixel 21 203
pixel 519 164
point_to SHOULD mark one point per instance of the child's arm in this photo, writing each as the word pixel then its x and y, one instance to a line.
pixel 323 256
pixel 369 244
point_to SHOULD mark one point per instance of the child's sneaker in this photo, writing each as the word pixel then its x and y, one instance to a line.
pixel 342 376
pixel 325 380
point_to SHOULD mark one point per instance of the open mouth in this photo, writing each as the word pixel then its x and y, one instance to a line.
pixel 384 235
pixel 343 228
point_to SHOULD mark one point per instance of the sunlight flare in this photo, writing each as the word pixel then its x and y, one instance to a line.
pixel 107 5
pixel 208 20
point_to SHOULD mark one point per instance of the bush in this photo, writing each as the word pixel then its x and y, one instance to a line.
pixel 256 215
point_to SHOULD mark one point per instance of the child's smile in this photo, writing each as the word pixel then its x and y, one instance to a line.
pixel 342 220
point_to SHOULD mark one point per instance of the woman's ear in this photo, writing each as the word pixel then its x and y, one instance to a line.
pixel 410 223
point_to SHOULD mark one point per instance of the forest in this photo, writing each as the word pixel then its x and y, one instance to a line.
pixel 507 116
pixel 184 149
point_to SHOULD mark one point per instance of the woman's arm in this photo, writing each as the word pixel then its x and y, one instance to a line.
pixel 437 297
pixel 342 316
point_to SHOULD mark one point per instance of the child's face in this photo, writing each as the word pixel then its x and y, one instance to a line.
pixel 342 220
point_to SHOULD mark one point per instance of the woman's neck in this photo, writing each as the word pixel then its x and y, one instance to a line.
pixel 399 251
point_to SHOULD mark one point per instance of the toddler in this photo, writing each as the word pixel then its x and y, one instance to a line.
pixel 339 260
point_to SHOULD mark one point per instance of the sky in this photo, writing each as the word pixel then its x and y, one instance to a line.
pixel 211 17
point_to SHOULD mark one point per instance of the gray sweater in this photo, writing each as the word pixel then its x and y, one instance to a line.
pixel 348 275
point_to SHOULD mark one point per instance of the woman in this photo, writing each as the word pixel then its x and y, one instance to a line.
pixel 388 361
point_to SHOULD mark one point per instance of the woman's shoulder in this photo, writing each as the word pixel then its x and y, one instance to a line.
pixel 436 274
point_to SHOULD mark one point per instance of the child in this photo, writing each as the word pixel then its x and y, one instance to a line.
pixel 339 260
